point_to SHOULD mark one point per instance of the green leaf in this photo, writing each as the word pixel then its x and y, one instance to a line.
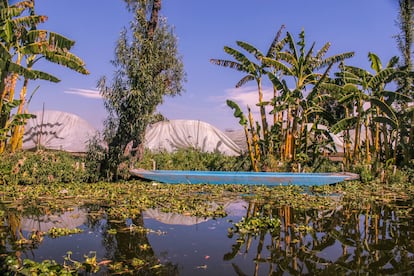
pixel 387 109
pixel 386 120
pixel 344 124
pixel 375 62
pixel 250 48
pixel 44 76
pixel 238 113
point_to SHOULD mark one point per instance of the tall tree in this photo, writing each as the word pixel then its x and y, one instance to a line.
pixel 405 39
pixel 148 67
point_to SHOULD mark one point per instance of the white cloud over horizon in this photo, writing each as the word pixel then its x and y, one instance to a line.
pixel 248 96
pixel 86 93
pixel 245 96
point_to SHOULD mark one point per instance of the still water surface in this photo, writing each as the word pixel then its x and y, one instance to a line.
pixel 252 239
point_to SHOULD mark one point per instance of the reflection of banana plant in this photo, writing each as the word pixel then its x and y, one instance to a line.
pixel 373 238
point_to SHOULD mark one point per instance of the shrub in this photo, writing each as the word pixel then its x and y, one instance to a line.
pixel 193 159
pixel 41 167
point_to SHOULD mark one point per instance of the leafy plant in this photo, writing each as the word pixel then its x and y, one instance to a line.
pixel 192 159
pixel 41 167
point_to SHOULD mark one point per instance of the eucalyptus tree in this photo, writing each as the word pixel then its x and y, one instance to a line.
pixel 24 43
pixel 305 71
pixel 147 68
pixel 405 39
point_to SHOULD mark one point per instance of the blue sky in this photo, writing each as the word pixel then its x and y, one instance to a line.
pixel 203 28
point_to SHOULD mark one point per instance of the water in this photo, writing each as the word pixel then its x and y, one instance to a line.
pixel 377 239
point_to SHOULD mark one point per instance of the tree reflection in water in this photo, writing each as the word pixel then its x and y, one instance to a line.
pixel 129 246
pixel 376 239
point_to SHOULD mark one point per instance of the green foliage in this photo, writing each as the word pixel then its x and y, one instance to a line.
pixel 94 158
pixel 55 232
pixel 193 159
pixel 287 139
pixel 41 167
pixel 257 224
pixel 20 41
pixel 147 67
pixel 13 266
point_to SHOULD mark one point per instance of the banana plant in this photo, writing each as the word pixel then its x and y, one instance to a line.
pixel 254 72
pixel 306 71
pixel 22 41
pixel 252 145
pixel 359 86
pixel 42 44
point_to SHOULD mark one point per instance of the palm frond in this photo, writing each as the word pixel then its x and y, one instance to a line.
pixel 44 76
pixel 54 40
pixel 309 57
pixel 8 13
pixel 16 68
pixel 330 87
pixel 29 21
pixel 280 85
pixel 238 113
pixel 356 71
pixel 287 57
pixel 393 62
pixel 320 79
pixel 347 76
pixel 292 46
pixel 397 95
pixel 67 59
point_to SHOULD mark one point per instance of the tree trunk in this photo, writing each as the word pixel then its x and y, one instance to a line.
pixel 153 22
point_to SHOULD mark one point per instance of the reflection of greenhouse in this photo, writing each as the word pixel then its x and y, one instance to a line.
pixel 69 219
pixel 232 208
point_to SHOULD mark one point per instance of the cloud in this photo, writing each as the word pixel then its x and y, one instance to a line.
pixel 87 93
pixel 246 96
